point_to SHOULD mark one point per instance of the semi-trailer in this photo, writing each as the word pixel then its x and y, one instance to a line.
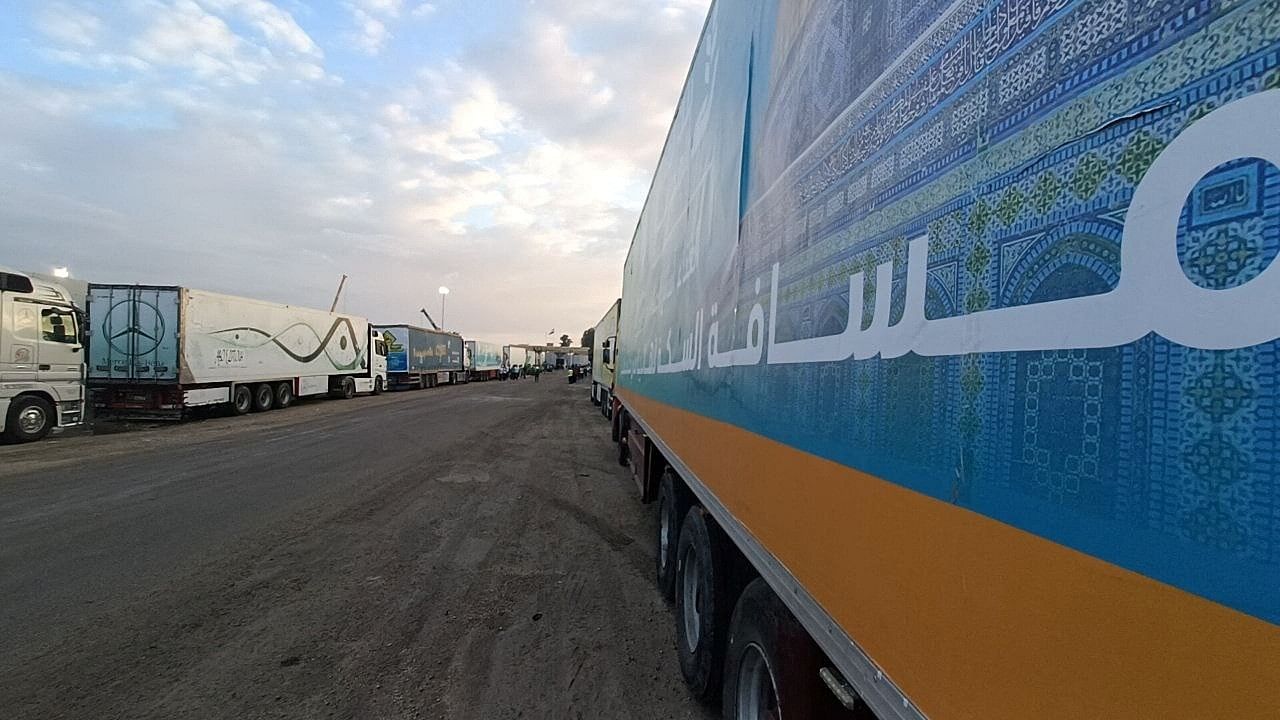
pixel 160 351
pixel 604 359
pixel 421 358
pixel 949 359
pixel 41 358
pixel 514 359
pixel 486 359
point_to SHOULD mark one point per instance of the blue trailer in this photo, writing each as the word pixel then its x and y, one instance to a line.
pixel 422 358
pixel 951 359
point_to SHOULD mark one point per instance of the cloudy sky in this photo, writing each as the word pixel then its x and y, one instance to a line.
pixel 500 147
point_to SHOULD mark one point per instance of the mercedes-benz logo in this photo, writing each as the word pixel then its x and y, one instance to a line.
pixel 134 327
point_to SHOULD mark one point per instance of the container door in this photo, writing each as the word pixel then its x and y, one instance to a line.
pixel 134 334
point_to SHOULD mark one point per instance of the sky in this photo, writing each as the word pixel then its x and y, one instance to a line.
pixel 502 148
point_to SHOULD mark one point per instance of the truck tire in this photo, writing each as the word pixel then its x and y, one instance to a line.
pixel 771 664
pixel 284 395
pixel 348 388
pixel 377 386
pixel 241 400
pixel 670 509
pixel 703 603
pixel 30 418
pixel 264 397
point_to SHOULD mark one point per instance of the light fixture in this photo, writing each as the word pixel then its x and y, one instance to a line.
pixel 61 272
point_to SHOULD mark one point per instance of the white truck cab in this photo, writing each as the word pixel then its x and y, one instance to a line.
pixel 41 358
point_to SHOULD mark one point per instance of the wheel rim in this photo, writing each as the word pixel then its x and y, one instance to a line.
pixel 691 590
pixel 32 419
pixel 244 400
pixel 264 397
pixel 757 690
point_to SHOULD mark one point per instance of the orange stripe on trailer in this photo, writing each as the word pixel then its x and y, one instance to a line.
pixel 973 618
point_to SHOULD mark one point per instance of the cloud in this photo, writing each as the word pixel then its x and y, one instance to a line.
pixel 276 25
pixel 69 25
pixel 371 18
pixel 205 145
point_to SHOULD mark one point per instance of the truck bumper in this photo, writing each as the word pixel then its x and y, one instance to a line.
pixel 139 402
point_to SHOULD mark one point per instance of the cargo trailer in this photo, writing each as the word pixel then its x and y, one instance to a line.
pixel 950 359
pixel 514 359
pixel 158 352
pixel 486 359
pixel 421 358
pixel 604 359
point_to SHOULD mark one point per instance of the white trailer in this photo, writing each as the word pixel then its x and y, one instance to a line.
pixel 41 358
pixel 158 351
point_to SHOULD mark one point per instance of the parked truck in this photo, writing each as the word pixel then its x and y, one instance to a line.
pixel 486 359
pixel 604 359
pixel 514 359
pixel 160 351
pixel 41 358
pixel 950 359
pixel 421 358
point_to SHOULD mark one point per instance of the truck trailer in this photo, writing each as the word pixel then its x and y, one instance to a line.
pixel 604 359
pixel 950 359
pixel 486 360
pixel 514 358
pixel 421 358
pixel 41 358
pixel 157 352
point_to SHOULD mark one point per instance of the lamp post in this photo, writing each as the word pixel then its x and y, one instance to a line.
pixel 443 291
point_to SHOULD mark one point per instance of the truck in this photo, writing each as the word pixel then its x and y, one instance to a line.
pixel 514 358
pixel 949 359
pixel 159 352
pixel 604 359
pixel 421 358
pixel 486 359
pixel 41 358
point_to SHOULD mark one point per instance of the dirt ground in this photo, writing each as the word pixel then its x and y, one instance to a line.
pixel 464 552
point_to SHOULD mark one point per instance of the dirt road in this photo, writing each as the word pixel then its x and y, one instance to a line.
pixel 465 552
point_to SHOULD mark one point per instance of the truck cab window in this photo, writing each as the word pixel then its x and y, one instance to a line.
pixel 58 326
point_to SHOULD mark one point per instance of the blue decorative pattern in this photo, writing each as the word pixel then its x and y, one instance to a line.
pixel 1012 134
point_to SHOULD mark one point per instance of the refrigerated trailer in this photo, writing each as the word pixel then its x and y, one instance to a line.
pixel 604 359
pixel 486 359
pixel 41 358
pixel 514 358
pixel 950 358
pixel 421 358
pixel 160 351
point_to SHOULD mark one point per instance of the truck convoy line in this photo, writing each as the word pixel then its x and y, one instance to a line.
pixel 933 361
pixel 159 352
